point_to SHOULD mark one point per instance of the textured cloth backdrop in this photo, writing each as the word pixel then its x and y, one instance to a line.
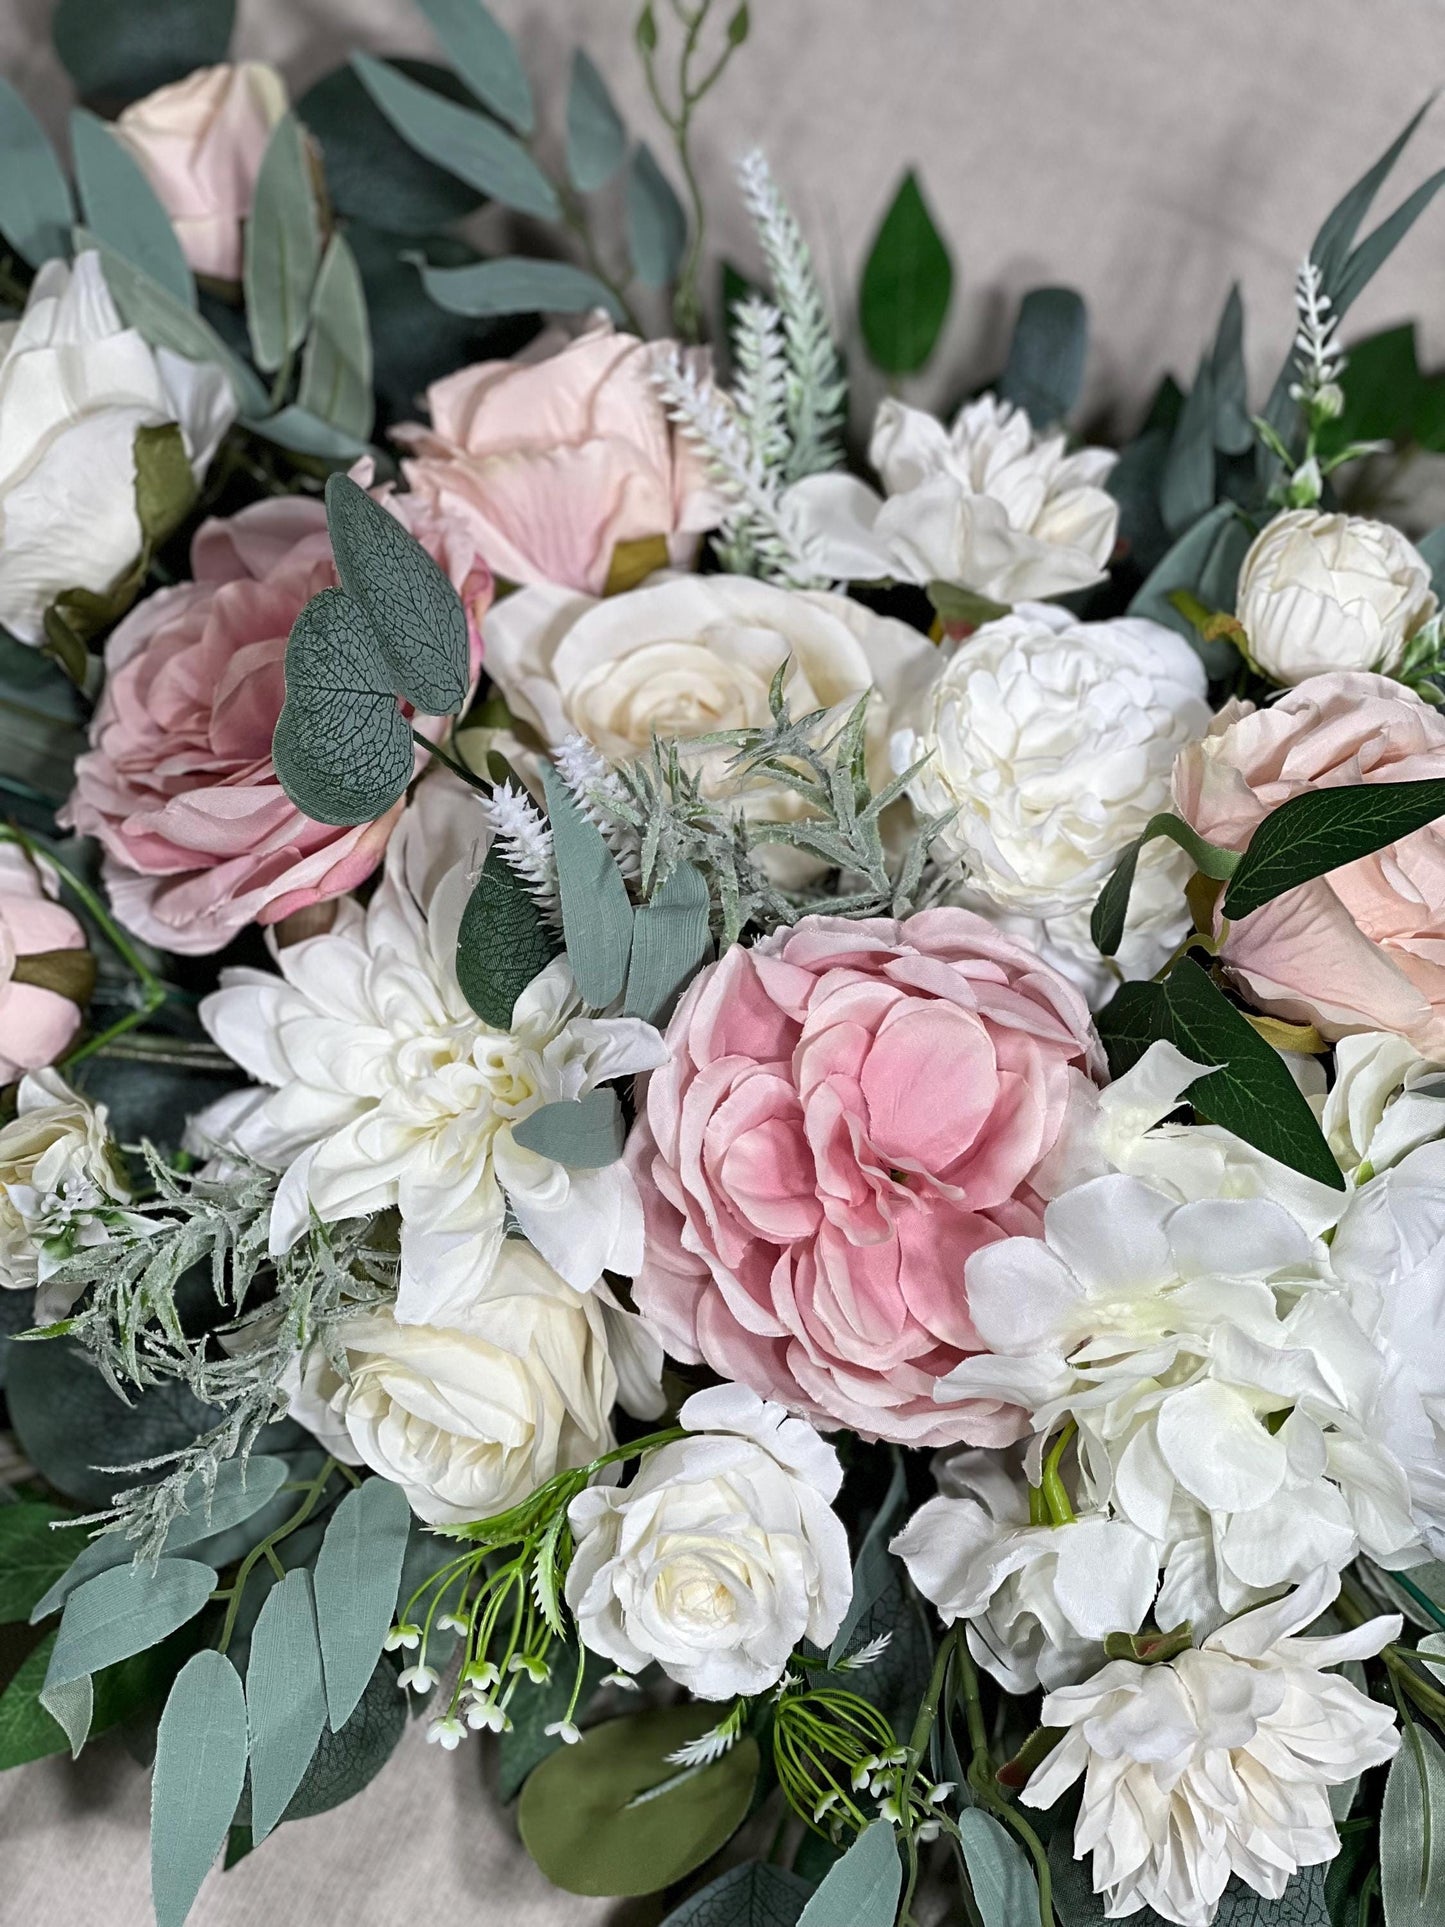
pixel 1147 152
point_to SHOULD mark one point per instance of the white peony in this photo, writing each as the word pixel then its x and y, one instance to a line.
pixel 1386 1100
pixel 986 506
pixel 471 1417
pixel 75 385
pixel 58 1175
pixel 1039 1599
pixel 1218 1762
pixel 1325 592
pixel 722 1553
pixel 386 1090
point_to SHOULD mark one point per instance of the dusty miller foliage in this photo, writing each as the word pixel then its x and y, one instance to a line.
pixel 133 1326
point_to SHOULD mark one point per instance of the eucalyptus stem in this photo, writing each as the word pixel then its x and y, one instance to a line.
pixel 267 1550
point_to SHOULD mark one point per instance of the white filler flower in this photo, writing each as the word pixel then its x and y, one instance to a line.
pixel 1218 1762
pixel 721 1554
pixel 75 385
pixel 986 505
pixel 388 1091
pixel 1321 592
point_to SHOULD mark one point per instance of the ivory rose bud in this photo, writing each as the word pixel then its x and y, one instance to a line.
pixel 75 386
pixel 721 1555
pixel 851 1110
pixel 58 1170
pixel 178 785
pixel 1327 592
pixel 45 970
pixel 199 142
pixel 551 464
pixel 1360 948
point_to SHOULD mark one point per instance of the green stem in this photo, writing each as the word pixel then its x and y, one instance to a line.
pixel 267 1550
pixel 574 218
pixel 457 768
pixel 985 1787
pixel 917 1740
pixel 1056 1499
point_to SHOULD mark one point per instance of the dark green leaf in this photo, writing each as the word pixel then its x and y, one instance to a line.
pixel 199 1772
pixel 1106 925
pixel 421 627
pixel 117 53
pixel 596 910
pixel 753 1895
pixel 285 1699
pixel 907 285
pixel 336 363
pixel 656 223
pixel 357 1573
pixel 372 174
pixel 33 1554
pixel 467 144
pixel 584 1132
pixel 1383 391
pixel 1187 490
pixel 168 323
pixel 1381 242
pixel 1321 829
pixel 283 247
pixel 526 1743
pixel 482 52
pixel 1078 1905
pixel 132 1687
pixel 35 208
pixel 1047 354
pixel 863 1887
pixel 502 942
pixel 596 138
pixel 1205 561
pixel 1332 245
pixel 670 940
pixel 121 209
pixel 342 749
pixel 345 1762
pixel 1412 1833
pixel 1132 1020
pixel 1233 429
pixel 512 285
pixel 873 1569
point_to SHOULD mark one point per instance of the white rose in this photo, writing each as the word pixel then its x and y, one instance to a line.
pixel 986 506
pixel 721 1555
pixel 57 1171
pixel 75 385
pixel 1386 1100
pixel 1052 740
pixel 470 1418
pixel 1323 592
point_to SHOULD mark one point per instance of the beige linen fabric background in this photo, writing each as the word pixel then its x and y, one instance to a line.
pixel 1148 152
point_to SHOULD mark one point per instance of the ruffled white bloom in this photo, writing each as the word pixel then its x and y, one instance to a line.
pixel 75 385
pixel 1323 592
pixel 1386 1100
pixel 1039 1599
pixel 386 1090
pixel 986 505
pixel 722 1553
pixel 1221 1381
pixel 59 1178
pixel 1218 1762
pixel 472 1417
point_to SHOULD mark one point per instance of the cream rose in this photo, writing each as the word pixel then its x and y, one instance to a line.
pixel 1322 592
pixel 471 1417
pixel 721 1555
pixel 58 1171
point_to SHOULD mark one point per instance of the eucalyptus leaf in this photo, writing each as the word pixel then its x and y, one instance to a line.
pixel 372 174
pixel 336 365
pixel 35 206
pixel 907 285
pixel 1186 491
pixel 285 1699
pixel 583 1133
pixel 199 1772
pixel 167 322
pixel 596 137
pixel 357 1573
pixel 1003 1882
pixel 1205 561
pixel 1046 356
pixel 670 940
pixel 283 247
pixel 596 910
pixel 121 209
pixel 122 1692
pixel 1412 1833
pixel 297 429
pixel 656 223
pixel 513 285
pixel 483 53
pixel 346 1761
pixel 753 1895
pixel 1233 429
pixel 119 52
pixel 502 942
pixel 1322 829
pixel 863 1887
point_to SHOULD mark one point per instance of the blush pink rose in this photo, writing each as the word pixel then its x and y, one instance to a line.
pixel 552 463
pixel 1364 947
pixel 851 1110
pixel 199 142
pixel 178 785
pixel 45 971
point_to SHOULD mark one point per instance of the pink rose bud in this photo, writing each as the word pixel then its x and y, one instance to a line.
pixel 46 973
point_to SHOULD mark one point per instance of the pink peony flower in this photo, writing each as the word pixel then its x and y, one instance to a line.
pixel 178 785
pixel 550 464
pixel 852 1109
pixel 1364 947
pixel 44 971
pixel 199 142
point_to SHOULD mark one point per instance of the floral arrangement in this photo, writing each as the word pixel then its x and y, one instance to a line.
pixel 763 1114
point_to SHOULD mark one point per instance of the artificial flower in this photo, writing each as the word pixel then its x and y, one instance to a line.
pixel 59 1175
pixel 75 386
pixel 1327 592
pixel 45 969
pixel 722 1553
pixel 1386 1100
pixel 850 1109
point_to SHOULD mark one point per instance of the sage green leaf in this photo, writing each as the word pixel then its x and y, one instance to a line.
pixel 199 1772
pixel 168 323
pixel 283 247
pixel 372 175
pixel 297 429
pixel 1233 429
pixel 907 285
pixel 656 223
pixel 873 1568
pixel 468 145
pixel 285 1698
pixel 1046 356
pixel 345 1762
pixel 1320 830
pixel 1205 561
pixel 421 627
pixel 165 484
pixel 1002 1880
pixel 121 209
pixel 596 910
pixel 583 1132
pixel 1302 1904
pixel 502 942
pixel 1412 1833
pixel 753 1895
pixel 1335 240
pixel 1106 925
pixel 512 285
pixel 596 138
pixel 357 1572
pixel 613 1815
pixel 670 940
pixel 119 53
pixel 240 1491
pixel 483 53
pixel 1074 1897
pixel 336 363
pixel 861 1888
pixel 1186 491
pixel 36 1547
pixel 342 748
pixel 35 206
